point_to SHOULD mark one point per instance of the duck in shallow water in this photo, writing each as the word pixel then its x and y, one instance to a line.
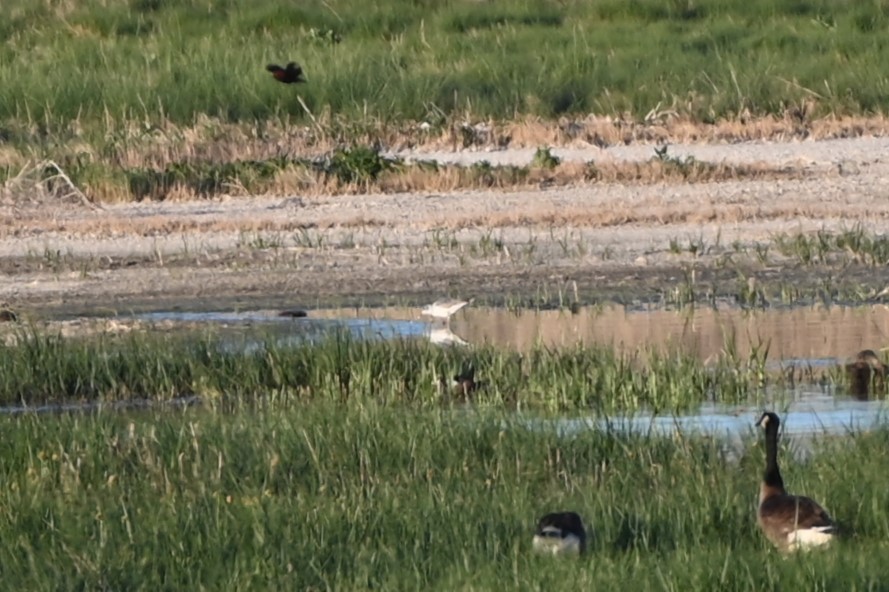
pixel 866 375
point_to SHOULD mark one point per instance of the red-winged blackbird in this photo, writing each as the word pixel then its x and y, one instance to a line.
pixel 292 73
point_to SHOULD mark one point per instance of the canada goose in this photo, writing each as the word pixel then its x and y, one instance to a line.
pixel 790 522
pixel 560 533
pixel 444 309
pixel 865 374
pixel 292 73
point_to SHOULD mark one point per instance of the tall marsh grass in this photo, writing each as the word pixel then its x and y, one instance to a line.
pixel 43 367
pixel 360 496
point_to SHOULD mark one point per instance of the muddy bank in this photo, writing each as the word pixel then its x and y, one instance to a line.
pixel 589 242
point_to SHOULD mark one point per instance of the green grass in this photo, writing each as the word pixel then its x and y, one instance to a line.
pixel 153 60
pixel 133 98
pixel 43 367
pixel 851 246
pixel 353 497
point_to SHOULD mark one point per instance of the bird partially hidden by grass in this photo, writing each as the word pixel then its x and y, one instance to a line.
pixel 7 314
pixel 790 522
pixel 866 374
pixel 460 388
pixel 560 533
pixel 290 74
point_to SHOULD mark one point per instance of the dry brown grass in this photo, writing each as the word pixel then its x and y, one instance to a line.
pixel 418 179
pixel 636 211
pixel 651 211
pixel 640 210
pixel 135 144
pixel 42 185
pixel 163 224
pixel 99 166
pixel 296 179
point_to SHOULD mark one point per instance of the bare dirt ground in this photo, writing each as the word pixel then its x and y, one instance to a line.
pixel 592 241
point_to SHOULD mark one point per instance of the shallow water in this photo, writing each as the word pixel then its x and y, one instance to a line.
pixel 812 338
pixel 815 336
pixel 806 415
pixel 251 330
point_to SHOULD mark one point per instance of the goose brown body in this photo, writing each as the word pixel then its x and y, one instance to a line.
pixel 790 522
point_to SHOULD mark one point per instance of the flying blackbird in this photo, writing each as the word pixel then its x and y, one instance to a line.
pixel 292 73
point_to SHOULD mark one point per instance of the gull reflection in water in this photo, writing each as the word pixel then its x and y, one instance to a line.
pixel 444 336
pixel 442 311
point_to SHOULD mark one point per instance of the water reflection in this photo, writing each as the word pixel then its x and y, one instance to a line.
pixel 817 336
pixel 795 341
pixel 803 343
pixel 805 415
pixel 287 329
pixel 444 336
pixel 808 333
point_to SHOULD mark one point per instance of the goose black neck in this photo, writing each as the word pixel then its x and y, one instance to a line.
pixel 772 475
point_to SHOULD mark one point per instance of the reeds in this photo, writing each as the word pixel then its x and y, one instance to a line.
pixel 40 367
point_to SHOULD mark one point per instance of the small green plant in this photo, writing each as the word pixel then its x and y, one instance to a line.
pixel 205 178
pixel 307 238
pixel 260 241
pixel 762 252
pixel 545 159
pixel 688 167
pixel 675 247
pixel 324 36
pixel 444 240
pixel 360 164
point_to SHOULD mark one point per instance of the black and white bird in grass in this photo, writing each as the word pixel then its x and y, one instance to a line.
pixel 560 533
